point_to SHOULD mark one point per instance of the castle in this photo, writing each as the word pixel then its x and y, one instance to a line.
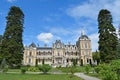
pixel 60 54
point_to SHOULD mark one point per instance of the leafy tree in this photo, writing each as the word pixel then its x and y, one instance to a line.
pixel 74 62
pixel 96 57
pixel 12 46
pixel 107 36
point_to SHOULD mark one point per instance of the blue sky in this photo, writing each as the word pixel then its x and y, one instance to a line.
pixel 48 20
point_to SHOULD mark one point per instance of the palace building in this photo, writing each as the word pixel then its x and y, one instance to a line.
pixel 60 54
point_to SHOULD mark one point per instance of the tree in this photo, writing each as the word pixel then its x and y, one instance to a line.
pixel 0 48
pixel 118 50
pixel 96 57
pixel 74 62
pixel 107 36
pixel 12 46
pixel 0 39
pixel 118 46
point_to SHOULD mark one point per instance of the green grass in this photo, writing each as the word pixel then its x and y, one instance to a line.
pixel 76 69
pixel 8 76
pixel 14 70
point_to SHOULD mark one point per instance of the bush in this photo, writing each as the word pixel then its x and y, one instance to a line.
pixel 5 69
pixel 33 69
pixel 115 64
pixel 23 70
pixel 44 68
pixel 87 68
pixel 108 75
pixel 97 69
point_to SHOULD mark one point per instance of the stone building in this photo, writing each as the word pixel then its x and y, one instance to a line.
pixel 60 54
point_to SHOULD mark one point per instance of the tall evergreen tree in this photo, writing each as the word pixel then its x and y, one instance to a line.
pixel 0 48
pixel 12 46
pixel 107 36
pixel 118 46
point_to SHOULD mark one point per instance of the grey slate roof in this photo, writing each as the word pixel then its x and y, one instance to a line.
pixel 84 37
pixel 32 45
pixel 44 48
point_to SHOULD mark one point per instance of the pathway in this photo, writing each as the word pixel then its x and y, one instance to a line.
pixel 85 77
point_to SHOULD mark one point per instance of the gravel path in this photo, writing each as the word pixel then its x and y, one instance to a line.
pixel 85 77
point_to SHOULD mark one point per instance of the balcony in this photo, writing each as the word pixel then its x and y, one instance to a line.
pixel 44 57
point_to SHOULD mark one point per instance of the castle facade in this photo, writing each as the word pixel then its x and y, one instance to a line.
pixel 60 54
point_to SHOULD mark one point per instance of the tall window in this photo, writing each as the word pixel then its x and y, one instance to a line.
pixel 85 45
pixel 86 52
pixel 30 53
pixel 29 61
pixel 87 60
pixel 58 54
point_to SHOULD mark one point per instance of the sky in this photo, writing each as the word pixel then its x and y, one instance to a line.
pixel 48 20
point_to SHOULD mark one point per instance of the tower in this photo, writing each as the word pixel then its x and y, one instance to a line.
pixel 84 47
pixel 29 57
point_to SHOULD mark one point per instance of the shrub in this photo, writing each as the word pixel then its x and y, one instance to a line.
pixel 44 68
pixel 108 75
pixel 115 65
pixel 33 68
pixel 87 68
pixel 23 70
pixel 5 69
pixel 97 69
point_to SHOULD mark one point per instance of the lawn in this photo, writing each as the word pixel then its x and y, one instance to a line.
pixel 68 69
pixel 8 76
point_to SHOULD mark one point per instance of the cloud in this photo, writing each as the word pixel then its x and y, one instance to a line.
pixel 91 9
pixel 45 37
pixel 94 41
pixel 11 0
pixel 86 14
pixel 60 30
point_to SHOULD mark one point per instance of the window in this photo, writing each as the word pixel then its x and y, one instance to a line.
pixel 86 52
pixel 67 60
pixel 75 48
pixel 87 60
pixel 29 61
pixel 85 45
pixel 76 53
pixel 53 61
pixel 58 54
pixel 30 53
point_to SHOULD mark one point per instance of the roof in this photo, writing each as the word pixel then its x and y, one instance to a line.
pixel 70 45
pixel 44 48
pixel 32 45
pixel 83 37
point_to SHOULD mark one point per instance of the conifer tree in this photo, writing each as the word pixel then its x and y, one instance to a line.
pixel 107 36
pixel 12 44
